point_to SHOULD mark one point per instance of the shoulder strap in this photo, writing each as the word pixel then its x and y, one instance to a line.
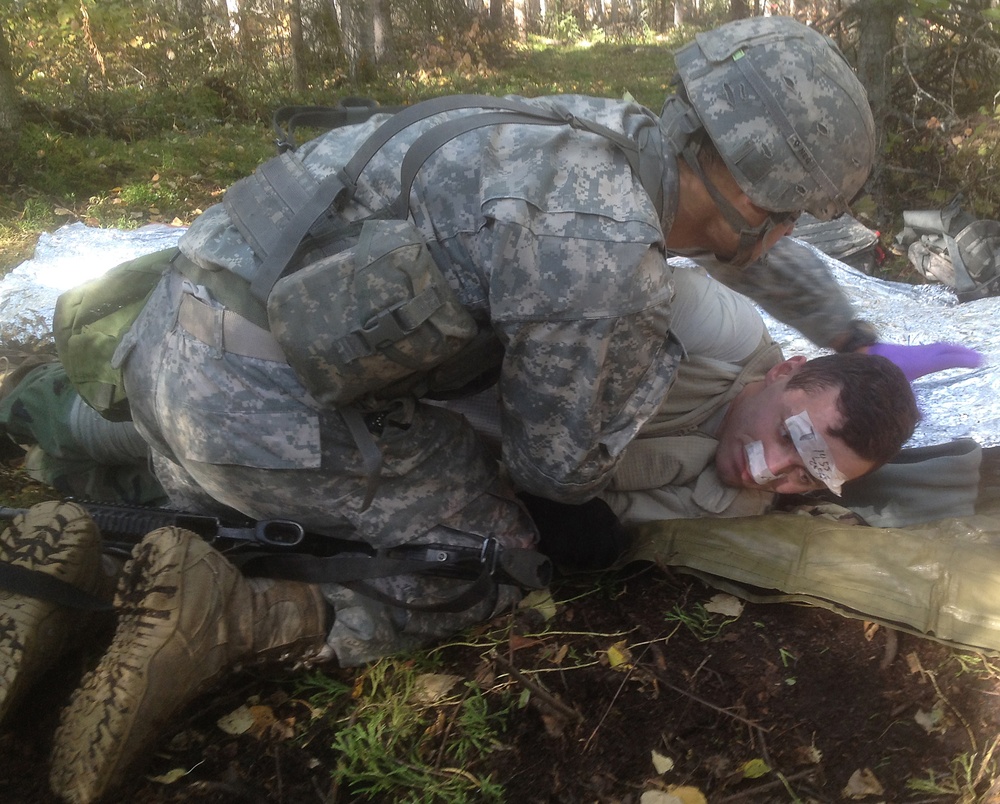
pixel 269 207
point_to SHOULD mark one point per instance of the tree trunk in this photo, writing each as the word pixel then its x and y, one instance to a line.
pixel 10 114
pixel 191 16
pixel 296 46
pixel 367 30
pixel 876 37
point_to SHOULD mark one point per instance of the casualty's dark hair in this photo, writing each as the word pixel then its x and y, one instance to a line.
pixel 876 400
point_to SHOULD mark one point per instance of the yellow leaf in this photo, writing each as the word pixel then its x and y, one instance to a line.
pixel 662 763
pixel 540 600
pixel 619 656
pixel 755 768
pixel 688 795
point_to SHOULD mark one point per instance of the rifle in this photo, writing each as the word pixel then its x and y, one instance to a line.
pixel 282 548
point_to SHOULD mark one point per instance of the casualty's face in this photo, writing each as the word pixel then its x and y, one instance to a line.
pixel 765 441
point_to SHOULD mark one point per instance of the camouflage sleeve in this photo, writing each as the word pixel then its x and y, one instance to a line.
pixel 794 285
pixel 575 393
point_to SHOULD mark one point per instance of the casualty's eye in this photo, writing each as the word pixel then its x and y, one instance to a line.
pixel 785 435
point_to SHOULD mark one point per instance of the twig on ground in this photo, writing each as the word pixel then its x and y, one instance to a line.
pixel 538 689
pixel 712 706
pixel 760 788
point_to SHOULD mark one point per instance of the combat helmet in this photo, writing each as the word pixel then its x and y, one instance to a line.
pixel 785 111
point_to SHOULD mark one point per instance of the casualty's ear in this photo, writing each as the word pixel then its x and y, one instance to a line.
pixel 786 368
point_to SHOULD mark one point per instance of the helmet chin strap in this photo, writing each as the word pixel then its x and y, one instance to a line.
pixel 749 236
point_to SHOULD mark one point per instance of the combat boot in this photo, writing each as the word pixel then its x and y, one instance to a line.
pixel 186 616
pixel 58 540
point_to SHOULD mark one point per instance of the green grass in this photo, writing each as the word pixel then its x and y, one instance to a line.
pixel 394 740
pixel 166 155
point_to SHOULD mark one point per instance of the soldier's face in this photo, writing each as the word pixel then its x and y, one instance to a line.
pixel 761 416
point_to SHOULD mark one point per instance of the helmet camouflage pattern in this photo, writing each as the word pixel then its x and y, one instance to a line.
pixel 787 114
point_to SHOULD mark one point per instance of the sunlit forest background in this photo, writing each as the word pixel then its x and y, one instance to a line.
pixel 121 111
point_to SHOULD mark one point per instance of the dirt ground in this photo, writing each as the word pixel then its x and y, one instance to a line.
pixel 783 704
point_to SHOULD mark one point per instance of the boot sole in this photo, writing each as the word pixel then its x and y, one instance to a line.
pixel 58 539
pixel 119 710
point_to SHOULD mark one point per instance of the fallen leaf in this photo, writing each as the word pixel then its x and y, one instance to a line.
pixel 755 768
pixel 688 795
pixel 659 797
pixel 560 654
pixel 662 763
pixel 239 721
pixel 172 776
pixel 518 642
pixel 619 656
pixel 541 600
pixel 430 688
pixel 931 721
pixel 807 755
pixel 674 795
pixel 862 784
pixel 263 720
pixel 726 605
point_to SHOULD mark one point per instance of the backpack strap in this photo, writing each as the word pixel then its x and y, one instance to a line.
pixel 276 209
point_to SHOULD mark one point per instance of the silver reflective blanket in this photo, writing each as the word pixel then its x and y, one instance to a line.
pixel 955 403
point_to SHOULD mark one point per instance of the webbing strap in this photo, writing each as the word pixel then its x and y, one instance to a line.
pixel 287 243
pixel 795 142
pixel 354 572
pixel 287 187
pixel 371 455
pixel 964 283
pixel 276 242
pixel 39 585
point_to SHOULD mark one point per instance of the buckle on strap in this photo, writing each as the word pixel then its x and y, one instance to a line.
pixel 518 566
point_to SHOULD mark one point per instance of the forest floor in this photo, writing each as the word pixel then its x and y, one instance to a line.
pixel 629 690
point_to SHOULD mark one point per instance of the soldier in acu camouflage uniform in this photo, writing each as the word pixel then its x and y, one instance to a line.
pixel 558 251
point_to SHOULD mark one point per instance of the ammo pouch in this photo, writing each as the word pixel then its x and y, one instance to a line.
pixel 371 319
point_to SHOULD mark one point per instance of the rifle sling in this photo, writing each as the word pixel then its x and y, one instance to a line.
pixel 41 586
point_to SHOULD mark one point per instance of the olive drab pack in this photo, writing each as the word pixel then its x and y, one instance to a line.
pixel 360 308
pixel 89 322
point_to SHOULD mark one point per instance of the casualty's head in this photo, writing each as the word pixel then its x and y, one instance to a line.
pixel 778 103
pixel 814 424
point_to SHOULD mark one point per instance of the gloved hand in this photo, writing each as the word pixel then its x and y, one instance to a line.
pixel 921 359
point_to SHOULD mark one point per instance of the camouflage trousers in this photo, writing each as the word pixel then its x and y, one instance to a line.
pixel 238 432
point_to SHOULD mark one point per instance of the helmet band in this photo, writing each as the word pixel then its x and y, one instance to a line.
pixel 795 142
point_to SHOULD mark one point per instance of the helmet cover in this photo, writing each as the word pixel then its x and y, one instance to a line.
pixel 792 122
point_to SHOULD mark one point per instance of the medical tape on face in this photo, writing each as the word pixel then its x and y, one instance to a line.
pixel 814 451
pixel 758 464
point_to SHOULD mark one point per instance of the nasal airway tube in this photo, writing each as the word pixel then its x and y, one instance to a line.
pixel 758 465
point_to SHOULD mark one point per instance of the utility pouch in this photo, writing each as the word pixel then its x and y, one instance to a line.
pixel 370 320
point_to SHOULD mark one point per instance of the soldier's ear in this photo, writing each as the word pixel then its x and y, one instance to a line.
pixel 786 368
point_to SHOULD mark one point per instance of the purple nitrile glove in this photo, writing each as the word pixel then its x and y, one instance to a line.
pixel 926 358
